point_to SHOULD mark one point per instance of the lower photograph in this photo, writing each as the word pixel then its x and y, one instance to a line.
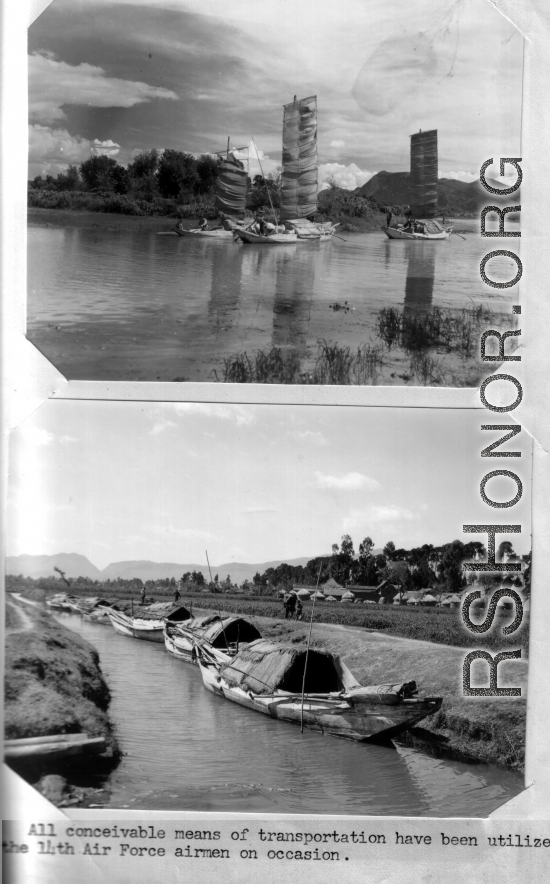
pixel 262 608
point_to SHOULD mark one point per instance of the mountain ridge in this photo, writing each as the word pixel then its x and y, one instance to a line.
pixel 75 565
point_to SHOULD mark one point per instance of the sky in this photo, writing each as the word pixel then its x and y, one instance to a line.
pixel 186 74
pixel 118 481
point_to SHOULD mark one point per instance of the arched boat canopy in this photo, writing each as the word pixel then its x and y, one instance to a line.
pixel 231 630
pixel 265 667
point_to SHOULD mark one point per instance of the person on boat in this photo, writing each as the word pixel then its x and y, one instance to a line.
pixel 176 596
pixel 389 216
pixel 203 224
pixel 261 225
pixel 299 609
pixel 179 225
pixel 143 590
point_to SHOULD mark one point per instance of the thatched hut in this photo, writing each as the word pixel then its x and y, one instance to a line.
pixel 265 667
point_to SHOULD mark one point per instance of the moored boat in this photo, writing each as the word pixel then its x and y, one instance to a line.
pixel 423 188
pixel 212 632
pixel 269 678
pixel 149 622
pixel 299 178
pixel 272 239
pixel 216 232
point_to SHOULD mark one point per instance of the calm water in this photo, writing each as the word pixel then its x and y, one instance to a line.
pixel 188 749
pixel 128 303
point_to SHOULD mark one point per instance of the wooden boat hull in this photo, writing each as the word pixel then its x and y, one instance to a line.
pixel 148 630
pixel 214 234
pixel 396 233
pixel 180 646
pixel 275 239
pixel 363 720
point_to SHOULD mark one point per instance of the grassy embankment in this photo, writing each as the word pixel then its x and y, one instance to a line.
pixel 54 685
pixel 489 730
pixel 383 645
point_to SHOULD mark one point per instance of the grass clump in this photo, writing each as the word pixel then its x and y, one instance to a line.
pixel 453 331
pixel 333 365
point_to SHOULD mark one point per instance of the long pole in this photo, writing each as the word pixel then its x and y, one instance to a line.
pixel 219 612
pixel 263 176
pixel 307 650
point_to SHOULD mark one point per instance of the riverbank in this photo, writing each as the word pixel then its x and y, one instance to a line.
pixel 54 685
pixel 472 729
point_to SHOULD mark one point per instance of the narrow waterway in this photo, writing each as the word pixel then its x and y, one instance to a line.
pixel 187 749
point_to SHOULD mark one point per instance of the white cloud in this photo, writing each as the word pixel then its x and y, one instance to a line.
pixel 52 150
pixel 239 414
pixel 161 426
pixel 104 148
pixel 258 162
pixel 167 531
pixel 347 482
pixel 348 177
pixel 337 144
pixel 53 83
pixel 37 436
pixel 467 177
pixel 377 514
pixel 313 438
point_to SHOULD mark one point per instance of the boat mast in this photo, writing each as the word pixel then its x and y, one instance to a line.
pixel 307 650
pixel 263 176
pixel 219 612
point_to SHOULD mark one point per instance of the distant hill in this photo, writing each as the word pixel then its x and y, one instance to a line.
pixel 454 197
pixel 75 565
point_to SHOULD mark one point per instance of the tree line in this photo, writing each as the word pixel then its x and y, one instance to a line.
pixel 423 567
pixel 153 174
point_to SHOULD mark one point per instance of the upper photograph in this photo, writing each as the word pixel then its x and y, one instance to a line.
pixel 270 192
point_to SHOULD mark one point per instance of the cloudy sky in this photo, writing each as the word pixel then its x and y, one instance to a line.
pixel 126 481
pixel 185 74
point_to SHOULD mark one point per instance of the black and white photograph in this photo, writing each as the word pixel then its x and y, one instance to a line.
pixel 257 608
pixel 270 193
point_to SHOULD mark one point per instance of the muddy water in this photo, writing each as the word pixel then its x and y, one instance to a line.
pixel 130 304
pixel 188 749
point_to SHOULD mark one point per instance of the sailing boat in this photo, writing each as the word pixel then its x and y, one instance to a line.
pixel 299 178
pixel 422 223
pixel 231 185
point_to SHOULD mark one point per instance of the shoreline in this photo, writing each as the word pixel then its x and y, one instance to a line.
pixel 54 685
pixel 84 218
pixel 465 729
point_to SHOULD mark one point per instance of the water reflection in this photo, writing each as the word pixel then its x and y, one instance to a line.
pixel 419 285
pixel 293 293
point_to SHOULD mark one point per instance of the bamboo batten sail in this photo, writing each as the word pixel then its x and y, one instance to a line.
pixel 231 186
pixel 424 174
pixel 299 178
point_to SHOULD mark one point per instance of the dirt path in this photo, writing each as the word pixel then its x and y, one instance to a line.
pixel 21 616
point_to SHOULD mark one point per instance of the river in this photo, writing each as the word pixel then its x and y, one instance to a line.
pixel 187 749
pixel 125 303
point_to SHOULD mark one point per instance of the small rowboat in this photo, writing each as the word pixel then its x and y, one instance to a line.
pixel 433 232
pixel 269 677
pixel 226 635
pixel 273 239
pixel 149 623
pixel 217 233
